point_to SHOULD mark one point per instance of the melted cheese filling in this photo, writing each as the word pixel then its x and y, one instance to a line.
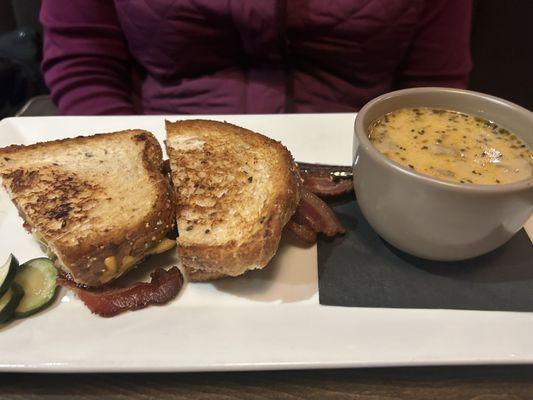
pixel 111 266
pixel 452 146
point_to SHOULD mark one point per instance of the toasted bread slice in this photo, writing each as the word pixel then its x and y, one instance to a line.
pixel 235 191
pixel 99 203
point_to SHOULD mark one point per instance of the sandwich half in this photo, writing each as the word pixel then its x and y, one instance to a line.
pixel 235 190
pixel 99 204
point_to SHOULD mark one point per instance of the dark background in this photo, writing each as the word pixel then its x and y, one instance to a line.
pixel 502 50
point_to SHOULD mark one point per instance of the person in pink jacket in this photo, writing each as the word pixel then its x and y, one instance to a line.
pixel 248 56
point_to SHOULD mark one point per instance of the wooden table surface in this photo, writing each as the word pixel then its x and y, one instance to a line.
pixel 473 383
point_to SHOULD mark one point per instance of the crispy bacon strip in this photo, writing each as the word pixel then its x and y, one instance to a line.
pixel 315 214
pixel 303 232
pixel 318 180
pixel 325 186
pixel 112 300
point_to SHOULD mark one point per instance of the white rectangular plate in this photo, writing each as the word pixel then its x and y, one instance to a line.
pixel 268 319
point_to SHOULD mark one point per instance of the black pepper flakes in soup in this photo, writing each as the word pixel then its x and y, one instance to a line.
pixel 457 146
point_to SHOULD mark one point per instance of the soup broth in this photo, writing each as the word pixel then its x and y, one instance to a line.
pixel 452 146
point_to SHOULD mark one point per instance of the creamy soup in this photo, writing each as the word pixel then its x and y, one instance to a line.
pixel 452 146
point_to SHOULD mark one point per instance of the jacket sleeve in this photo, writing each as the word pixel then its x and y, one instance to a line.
pixel 439 54
pixel 86 62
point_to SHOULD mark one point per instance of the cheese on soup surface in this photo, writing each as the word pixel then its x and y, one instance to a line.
pixel 452 146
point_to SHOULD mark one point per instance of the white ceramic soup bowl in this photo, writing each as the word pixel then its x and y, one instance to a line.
pixel 432 218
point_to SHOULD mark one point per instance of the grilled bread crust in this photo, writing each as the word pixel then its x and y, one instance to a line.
pixel 235 190
pixel 91 199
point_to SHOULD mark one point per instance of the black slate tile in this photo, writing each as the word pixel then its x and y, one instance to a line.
pixel 360 269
